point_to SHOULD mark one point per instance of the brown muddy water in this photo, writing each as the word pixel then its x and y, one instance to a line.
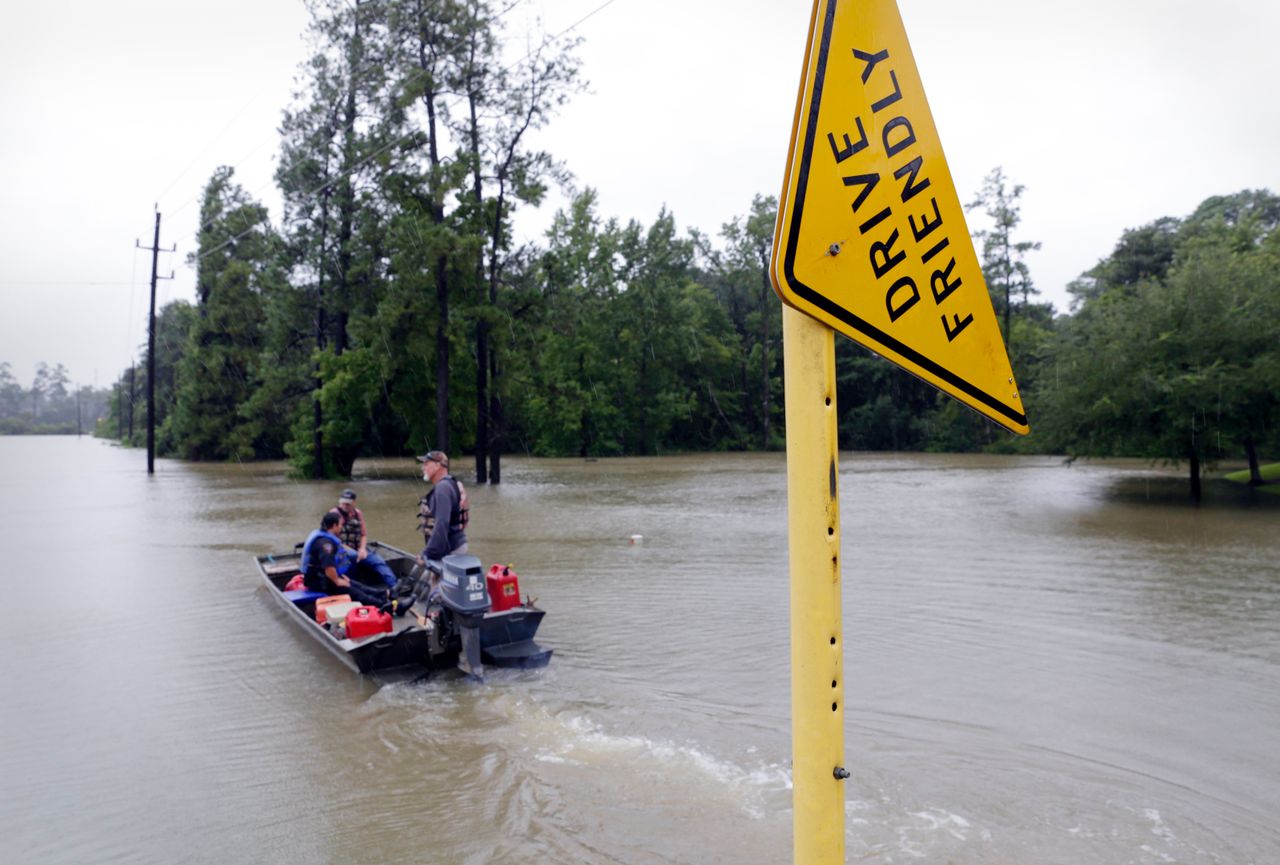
pixel 1045 664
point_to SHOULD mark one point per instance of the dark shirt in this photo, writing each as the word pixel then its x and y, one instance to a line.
pixel 326 554
pixel 446 535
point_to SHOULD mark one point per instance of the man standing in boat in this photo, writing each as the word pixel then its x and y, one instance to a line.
pixel 443 512
pixel 354 533
pixel 326 563
pixel 442 518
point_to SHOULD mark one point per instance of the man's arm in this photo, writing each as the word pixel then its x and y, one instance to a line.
pixel 364 537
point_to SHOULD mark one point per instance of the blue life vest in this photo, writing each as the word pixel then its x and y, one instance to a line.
pixel 341 560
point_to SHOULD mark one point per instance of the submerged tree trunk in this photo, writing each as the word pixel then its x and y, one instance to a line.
pixel 482 401
pixel 1255 471
pixel 495 413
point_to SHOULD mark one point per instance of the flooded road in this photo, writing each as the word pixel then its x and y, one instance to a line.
pixel 1045 664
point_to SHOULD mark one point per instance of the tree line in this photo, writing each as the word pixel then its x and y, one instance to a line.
pixel 52 405
pixel 390 308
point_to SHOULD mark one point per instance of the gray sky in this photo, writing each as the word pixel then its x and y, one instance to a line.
pixel 1111 114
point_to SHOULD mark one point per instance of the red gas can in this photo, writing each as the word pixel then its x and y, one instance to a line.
pixel 366 621
pixel 504 588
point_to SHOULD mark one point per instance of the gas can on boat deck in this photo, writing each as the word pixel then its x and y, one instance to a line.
pixel 504 588
pixel 335 615
pixel 366 621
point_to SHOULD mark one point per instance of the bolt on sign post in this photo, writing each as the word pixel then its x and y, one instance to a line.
pixel 871 242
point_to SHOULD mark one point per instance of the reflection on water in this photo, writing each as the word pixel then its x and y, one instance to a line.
pixel 1046 664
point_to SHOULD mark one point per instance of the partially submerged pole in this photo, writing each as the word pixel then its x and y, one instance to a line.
pixel 151 355
pixel 817 640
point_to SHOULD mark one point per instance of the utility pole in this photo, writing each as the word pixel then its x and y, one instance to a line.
pixel 151 345
pixel 132 376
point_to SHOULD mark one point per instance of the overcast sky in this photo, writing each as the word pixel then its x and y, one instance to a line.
pixel 1110 114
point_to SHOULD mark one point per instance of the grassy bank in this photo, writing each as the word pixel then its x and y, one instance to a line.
pixel 1270 474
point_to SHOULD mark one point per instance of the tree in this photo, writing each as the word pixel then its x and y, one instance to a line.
pixel 672 350
pixel 238 253
pixel 1002 257
pixel 11 393
pixel 338 138
pixel 882 407
pixel 424 44
pixel 739 277
pixel 626 352
pixel 174 323
pixel 563 390
pixel 1142 253
pixel 504 107
pixel 1184 366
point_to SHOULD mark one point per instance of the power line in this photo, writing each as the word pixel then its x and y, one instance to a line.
pixel 193 199
pixel 575 24
pixel 67 283
pixel 209 143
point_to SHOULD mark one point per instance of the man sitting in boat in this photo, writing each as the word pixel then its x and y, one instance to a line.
pixel 326 562
pixel 354 532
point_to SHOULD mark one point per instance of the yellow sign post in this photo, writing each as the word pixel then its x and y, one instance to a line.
pixel 817 647
pixel 871 242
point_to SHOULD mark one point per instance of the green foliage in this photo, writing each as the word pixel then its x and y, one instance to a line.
pixel 12 398
pixel 627 352
pixel 174 323
pixel 1184 366
pixel 218 372
pixel 738 276
pixel 51 406
pixel 881 407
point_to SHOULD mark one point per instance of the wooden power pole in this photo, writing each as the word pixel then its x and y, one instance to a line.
pixel 151 347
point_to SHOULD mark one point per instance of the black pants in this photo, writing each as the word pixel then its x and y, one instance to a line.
pixel 357 590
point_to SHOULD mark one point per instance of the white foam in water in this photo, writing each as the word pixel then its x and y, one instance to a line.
pixel 583 742
pixel 574 740
pixel 936 819
pixel 882 829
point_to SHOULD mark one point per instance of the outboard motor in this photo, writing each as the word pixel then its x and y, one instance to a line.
pixel 463 593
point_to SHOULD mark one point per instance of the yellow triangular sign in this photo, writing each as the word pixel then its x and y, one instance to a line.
pixel 871 237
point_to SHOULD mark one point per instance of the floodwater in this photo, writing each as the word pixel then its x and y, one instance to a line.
pixel 1046 665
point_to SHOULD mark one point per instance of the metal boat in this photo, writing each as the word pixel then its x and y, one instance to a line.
pixel 458 624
